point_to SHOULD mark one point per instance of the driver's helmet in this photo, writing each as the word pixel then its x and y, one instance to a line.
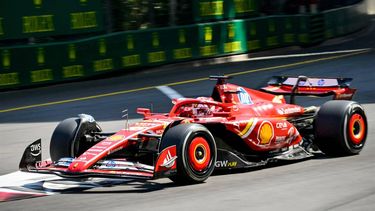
pixel 195 110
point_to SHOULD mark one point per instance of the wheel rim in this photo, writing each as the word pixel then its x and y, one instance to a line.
pixel 199 154
pixel 356 128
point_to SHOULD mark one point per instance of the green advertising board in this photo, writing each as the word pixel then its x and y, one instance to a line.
pixel 131 50
pixel 289 25
pixel 73 63
pixel 182 43
pixel 255 34
pixel 155 48
pixel 303 29
pixel 272 32
pixel 207 10
pixel 209 39
pixel 211 10
pixel 233 37
pixel 38 18
pixel 264 33
pixel 241 8
pixel 38 64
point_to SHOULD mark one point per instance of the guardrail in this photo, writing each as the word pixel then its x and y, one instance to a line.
pixel 30 65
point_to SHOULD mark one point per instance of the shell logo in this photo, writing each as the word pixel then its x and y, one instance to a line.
pixel 116 138
pixel 265 133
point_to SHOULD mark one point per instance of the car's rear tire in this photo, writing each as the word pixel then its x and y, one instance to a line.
pixel 196 152
pixel 69 140
pixel 340 128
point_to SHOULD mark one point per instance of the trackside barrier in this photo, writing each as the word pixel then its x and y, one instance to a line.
pixel 222 38
pixel 303 30
pixel 241 8
pixel 29 65
pixel 234 37
pixel 342 21
pixel 273 32
pixel 208 10
pixel 255 39
pixel 38 18
pixel 214 10
pixel 288 30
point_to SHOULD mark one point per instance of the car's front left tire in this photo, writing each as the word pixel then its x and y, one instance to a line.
pixel 196 152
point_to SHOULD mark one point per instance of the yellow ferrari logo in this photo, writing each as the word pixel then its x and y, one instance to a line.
pixel 116 138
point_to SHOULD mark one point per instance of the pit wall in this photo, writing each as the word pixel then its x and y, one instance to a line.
pixel 40 64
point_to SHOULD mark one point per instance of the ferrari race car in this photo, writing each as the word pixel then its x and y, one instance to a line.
pixel 236 127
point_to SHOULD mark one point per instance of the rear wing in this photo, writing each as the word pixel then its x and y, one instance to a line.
pixel 304 86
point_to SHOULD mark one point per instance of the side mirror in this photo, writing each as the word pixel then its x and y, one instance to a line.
pixel 144 111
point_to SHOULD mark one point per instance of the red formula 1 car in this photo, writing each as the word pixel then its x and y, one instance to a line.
pixel 236 127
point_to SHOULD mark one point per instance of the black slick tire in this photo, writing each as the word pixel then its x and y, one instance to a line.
pixel 196 152
pixel 340 128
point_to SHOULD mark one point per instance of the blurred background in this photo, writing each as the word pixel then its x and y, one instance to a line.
pixel 44 42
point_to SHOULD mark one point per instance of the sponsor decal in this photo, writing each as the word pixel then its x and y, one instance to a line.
pixel 111 164
pixel 115 150
pixel 116 138
pixel 344 96
pixel 105 143
pixel 84 158
pixel 265 133
pixel 321 82
pixel 145 124
pixel 263 107
pixel 35 149
pixel 40 164
pixel 301 83
pixel 134 128
pixel 225 164
pixel 166 160
pixel 89 153
pixel 292 134
pixel 279 139
pixel 243 96
pixel 94 150
pixel 281 125
pixel 291 110
pixel 66 159
pixel 169 161
pixel 100 147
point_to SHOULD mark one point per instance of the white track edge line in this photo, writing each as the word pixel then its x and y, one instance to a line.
pixel 169 92
pixel 308 54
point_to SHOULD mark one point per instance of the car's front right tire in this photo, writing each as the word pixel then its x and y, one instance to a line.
pixel 69 138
